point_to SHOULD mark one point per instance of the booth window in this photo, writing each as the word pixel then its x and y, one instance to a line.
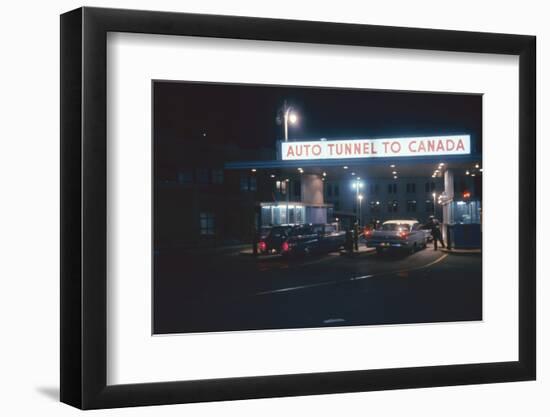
pixel 411 206
pixel 207 222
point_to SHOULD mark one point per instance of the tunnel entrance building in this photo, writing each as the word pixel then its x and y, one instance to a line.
pixel 370 181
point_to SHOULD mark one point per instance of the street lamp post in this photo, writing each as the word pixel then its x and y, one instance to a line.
pixel 288 117
pixel 358 198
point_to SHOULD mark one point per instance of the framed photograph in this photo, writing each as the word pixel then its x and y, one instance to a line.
pixel 257 208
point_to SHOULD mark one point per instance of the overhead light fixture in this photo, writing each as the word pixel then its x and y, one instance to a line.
pixel 253 169
pixel 395 177
pixel 394 172
pixel 353 173
pixel 477 166
pixel 324 174
pixel 467 172
pixel 345 167
pixel 392 166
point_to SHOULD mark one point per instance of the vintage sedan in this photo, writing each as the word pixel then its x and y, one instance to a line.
pixel 405 235
pixel 303 240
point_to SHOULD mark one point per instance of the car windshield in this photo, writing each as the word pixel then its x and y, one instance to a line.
pixel 394 227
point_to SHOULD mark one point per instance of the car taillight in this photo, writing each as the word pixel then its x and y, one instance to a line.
pixel 262 246
pixel 285 247
pixel 403 234
pixel 368 233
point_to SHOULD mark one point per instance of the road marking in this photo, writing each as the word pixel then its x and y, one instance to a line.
pixel 322 284
pixel 330 321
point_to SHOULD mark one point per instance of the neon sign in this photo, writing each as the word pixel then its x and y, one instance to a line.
pixel 376 148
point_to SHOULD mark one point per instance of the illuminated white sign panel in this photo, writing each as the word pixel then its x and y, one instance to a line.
pixel 376 148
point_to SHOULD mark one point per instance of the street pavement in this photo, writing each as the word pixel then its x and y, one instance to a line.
pixel 226 291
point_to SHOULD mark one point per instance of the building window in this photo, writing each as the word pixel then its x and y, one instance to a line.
pixel 248 183
pixel 280 186
pixel 207 223
pixel 429 187
pixel 185 177
pixel 411 187
pixel 392 188
pixel 429 206
pixel 336 205
pixel 393 206
pixel 336 190
pixel 374 206
pixel 374 189
pixel 217 176
pixel 329 190
pixel 411 206
pixel 202 176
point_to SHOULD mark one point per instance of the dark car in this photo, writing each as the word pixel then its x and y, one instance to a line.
pixel 271 242
pixel 304 240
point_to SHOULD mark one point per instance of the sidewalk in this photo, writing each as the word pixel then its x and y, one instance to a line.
pixel 462 251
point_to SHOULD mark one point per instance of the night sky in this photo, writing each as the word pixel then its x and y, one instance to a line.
pixel 245 115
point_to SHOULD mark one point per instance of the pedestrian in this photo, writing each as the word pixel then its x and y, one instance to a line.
pixel 356 236
pixel 349 242
pixel 435 229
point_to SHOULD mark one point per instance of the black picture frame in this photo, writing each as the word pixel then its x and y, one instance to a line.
pixel 84 193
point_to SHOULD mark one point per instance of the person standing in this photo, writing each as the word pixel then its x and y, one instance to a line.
pixel 356 237
pixel 435 229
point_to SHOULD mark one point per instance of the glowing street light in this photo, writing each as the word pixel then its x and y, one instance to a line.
pixel 289 116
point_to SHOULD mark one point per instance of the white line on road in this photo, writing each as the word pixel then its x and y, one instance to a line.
pixel 321 284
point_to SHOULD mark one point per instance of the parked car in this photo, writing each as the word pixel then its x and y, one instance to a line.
pixel 427 229
pixel 304 240
pixel 397 234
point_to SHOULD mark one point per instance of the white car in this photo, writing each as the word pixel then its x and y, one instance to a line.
pixel 397 234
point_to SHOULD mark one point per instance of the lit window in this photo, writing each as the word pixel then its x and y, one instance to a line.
pixel 393 206
pixel 411 206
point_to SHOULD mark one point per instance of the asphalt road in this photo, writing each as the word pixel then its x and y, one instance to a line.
pixel 208 291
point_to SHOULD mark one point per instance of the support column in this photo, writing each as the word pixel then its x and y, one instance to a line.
pixel 449 190
pixel 313 198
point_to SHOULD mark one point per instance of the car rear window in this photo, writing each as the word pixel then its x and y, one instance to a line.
pixel 393 227
pixel 278 232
